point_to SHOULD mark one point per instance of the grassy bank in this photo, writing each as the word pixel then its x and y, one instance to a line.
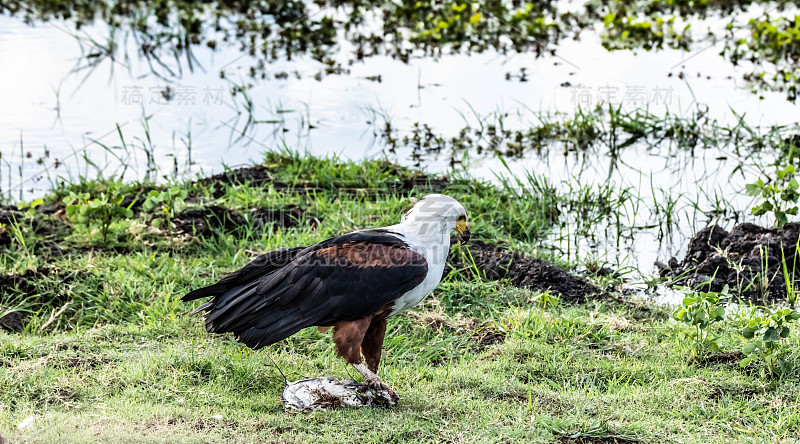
pixel 108 353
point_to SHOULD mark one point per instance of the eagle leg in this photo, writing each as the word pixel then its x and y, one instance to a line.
pixel 372 345
pixel 348 337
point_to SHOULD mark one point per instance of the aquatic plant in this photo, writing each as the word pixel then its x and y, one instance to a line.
pixel 624 31
pixel 773 46
pixel 777 196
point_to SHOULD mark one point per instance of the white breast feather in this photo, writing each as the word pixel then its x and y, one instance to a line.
pixel 434 248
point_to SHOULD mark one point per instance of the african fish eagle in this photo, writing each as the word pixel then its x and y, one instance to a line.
pixel 352 283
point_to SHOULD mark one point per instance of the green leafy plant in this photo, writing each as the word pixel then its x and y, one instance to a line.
pixel 85 210
pixel 700 310
pixel 166 202
pixel 546 299
pixel 778 196
pixel 765 336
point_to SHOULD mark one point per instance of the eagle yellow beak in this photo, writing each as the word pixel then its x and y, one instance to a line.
pixel 463 230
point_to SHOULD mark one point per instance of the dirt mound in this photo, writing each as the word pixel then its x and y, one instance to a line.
pixel 16 283
pixel 487 336
pixel 494 263
pixel 22 283
pixel 45 227
pixel 136 197
pixel 749 259
pixel 256 175
pixel 205 221
pixel 8 215
pixel 11 320
pixel 733 357
pixel 40 289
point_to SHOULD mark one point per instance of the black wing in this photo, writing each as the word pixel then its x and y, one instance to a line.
pixel 266 263
pixel 344 278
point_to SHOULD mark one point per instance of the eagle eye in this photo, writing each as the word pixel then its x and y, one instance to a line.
pixel 463 217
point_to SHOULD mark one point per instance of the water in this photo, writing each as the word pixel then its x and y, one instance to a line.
pixel 61 118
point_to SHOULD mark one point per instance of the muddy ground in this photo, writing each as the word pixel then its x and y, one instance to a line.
pixel 494 263
pixel 749 259
pixel 204 221
pixel 11 320
pixel 10 286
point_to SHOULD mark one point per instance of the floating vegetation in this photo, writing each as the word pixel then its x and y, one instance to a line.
pixel 605 126
pixel 700 8
pixel 629 32
pixel 165 33
pixel 773 46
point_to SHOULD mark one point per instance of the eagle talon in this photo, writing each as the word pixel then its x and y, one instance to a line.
pixel 384 391
pixel 374 382
pixel 377 384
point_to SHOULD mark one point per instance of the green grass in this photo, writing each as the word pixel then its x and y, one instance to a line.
pixel 110 354
pixel 596 370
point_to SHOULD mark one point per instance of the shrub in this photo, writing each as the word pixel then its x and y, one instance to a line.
pixel 85 210
pixel 765 336
pixel 700 310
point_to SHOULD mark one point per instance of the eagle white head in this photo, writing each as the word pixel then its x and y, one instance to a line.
pixel 440 214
